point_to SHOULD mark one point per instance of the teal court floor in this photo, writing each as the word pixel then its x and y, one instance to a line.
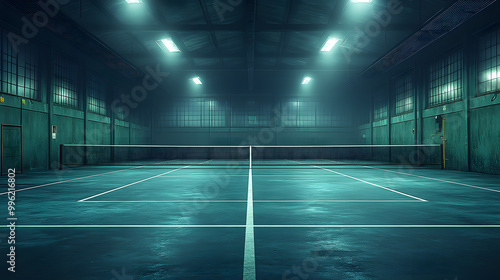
pixel 184 222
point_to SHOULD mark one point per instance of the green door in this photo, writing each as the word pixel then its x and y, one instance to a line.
pixel 12 152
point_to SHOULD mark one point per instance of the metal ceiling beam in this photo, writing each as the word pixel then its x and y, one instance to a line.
pixel 242 55
pixel 160 17
pixel 278 69
pixel 112 17
pixel 283 37
pixel 239 28
pixel 212 36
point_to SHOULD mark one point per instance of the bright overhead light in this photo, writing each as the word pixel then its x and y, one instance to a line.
pixel 133 1
pixel 169 44
pixel 197 80
pixel 361 1
pixel 332 41
pixel 306 80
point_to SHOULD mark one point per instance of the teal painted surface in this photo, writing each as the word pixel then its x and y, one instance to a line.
pixel 402 133
pixel 381 135
pixel 122 135
pixel 263 136
pixel 98 133
pixel 140 135
pixel 485 139
pixel 36 139
pixel 356 246
pixel 456 136
pixel 9 115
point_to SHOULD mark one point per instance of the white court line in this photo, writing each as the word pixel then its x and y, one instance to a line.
pixel 224 175
pixel 249 257
pixel 164 201
pixel 451 182
pixel 128 185
pixel 255 201
pixel 205 175
pixel 60 182
pixel 373 184
pixel 257 226
pixel 128 226
pixel 377 226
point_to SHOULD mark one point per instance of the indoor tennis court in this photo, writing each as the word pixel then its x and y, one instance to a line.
pixel 254 140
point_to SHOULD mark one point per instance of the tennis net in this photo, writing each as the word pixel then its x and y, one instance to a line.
pixel 255 156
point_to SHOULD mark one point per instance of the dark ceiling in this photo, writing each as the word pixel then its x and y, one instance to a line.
pixel 238 46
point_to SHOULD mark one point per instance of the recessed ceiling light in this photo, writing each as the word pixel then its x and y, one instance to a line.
pixel 361 1
pixel 134 1
pixel 306 80
pixel 332 41
pixel 169 44
pixel 197 80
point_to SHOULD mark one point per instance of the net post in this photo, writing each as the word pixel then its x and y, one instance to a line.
pixel 250 147
pixel 61 156
pixel 442 157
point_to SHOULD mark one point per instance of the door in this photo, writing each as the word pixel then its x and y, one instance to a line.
pixel 11 148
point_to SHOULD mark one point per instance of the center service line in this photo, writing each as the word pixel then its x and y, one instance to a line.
pixel 249 259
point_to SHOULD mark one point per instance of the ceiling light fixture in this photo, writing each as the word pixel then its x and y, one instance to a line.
pixel 306 80
pixel 330 43
pixel 169 44
pixel 197 81
pixel 134 1
pixel 361 1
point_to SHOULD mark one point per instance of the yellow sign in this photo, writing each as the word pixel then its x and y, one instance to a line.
pixel 23 101
pixel 2 100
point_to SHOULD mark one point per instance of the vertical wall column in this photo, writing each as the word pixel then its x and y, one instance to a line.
pixel 47 88
pixel 470 90
pixel 419 103
pixel 84 95
pixel 389 110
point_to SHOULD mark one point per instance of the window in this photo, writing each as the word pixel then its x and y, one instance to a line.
pixel 309 113
pixel 290 113
pixel 119 110
pixel 489 62
pixel 217 111
pixel 195 112
pixel 65 82
pixel 380 109
pixel 19 70
pixel 403 92
pixel 445 79
pixel 97 94
pixel 251 113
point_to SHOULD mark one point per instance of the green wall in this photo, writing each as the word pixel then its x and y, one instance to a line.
pixel 75 125
pixel 471 122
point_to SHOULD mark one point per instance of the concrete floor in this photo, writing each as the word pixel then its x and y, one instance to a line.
pixel 309 223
